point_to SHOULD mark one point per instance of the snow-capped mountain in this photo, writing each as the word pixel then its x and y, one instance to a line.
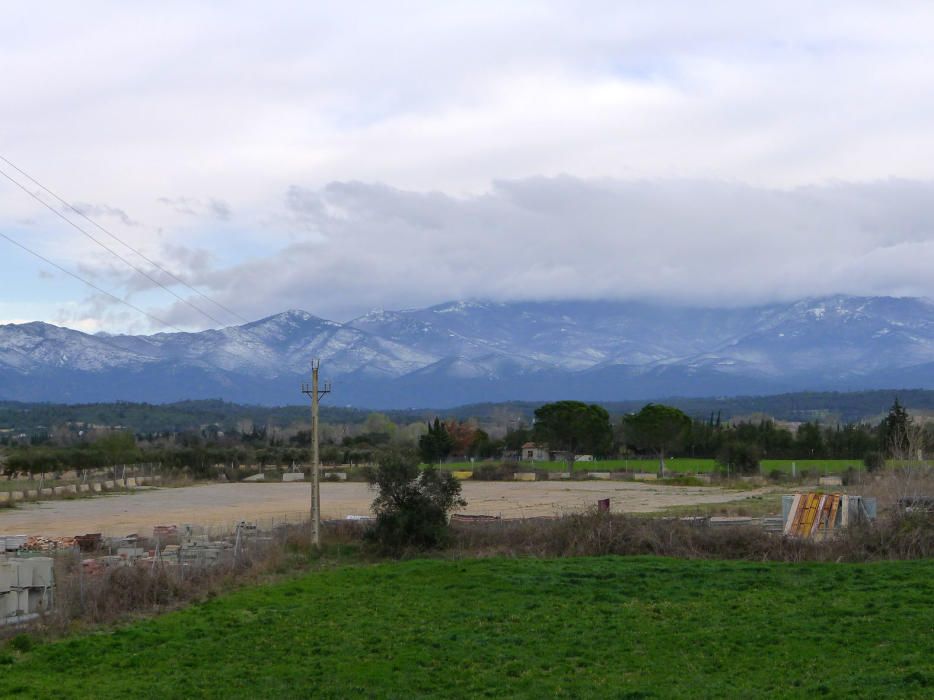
pixel 468 351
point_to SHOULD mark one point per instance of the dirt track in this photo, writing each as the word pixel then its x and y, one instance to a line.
pixel 222 505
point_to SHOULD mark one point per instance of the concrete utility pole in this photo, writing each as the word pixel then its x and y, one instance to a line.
pixel 315 393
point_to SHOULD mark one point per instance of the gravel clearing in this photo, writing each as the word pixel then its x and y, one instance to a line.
pixel 222 505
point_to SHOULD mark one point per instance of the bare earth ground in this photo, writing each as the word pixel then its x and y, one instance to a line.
pixel 220 506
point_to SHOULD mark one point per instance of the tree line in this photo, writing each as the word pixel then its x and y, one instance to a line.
pixel 567 428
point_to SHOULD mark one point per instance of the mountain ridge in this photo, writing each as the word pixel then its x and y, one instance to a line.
pixel 474 351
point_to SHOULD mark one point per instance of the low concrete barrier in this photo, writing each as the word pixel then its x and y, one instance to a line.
pixel 556 476
pixel 131 483
pixel 830 481
pixel 293 476
pixel 645 476
pixel 96 487
pixel 456 474
pixel 730 521
pixel 46 492
pixel 84 488
pixel 524 476
pixel 4 496
pixel 58 490
pixel 16 495
pixel 599 475
pixel 31 493
pixel 108 485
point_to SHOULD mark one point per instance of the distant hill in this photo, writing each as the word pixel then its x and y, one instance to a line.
pixel 469 351
pixel 829 408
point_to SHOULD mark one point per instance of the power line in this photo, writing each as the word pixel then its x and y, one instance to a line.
pixel 120 240
pixel 108 248
pixel 90 284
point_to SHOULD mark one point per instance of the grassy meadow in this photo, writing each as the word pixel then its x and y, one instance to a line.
pixel 527 628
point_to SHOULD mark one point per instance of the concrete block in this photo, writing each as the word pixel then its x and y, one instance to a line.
pixel 459 474
pixel 256 477
pixel 108 485
pixel 12 543
pixel 84 488
pixel 34 571
pixel 830 481
pixel 293 476
pixel 4 496
pixel 6 576
pixel 645 476
pixel 46 492
pixel 557 476
pixel 143 480
pixel 36 600
pixel 130 552
pixel 22 574
pixel 8 603
pixel 31 493
pixel 96 487
pixel 131 482
pixel 58 490
pixel 604 476
pixel 16 495
pixel 524 476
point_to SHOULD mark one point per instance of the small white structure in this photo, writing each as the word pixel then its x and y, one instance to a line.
pixel 583 458
pixel 534 453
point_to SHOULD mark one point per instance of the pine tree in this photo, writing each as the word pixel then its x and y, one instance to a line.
pixel 436 444
pixel 893 432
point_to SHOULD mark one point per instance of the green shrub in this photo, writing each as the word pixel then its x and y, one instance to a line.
pixel 740 457
pixel 413 504
pixel 874 461
pixel 21 643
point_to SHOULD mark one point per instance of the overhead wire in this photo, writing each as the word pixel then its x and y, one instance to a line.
pixel 90 284
pixel 80 213
pixel 108 248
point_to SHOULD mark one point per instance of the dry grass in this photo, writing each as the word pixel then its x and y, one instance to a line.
pixel 895 536
pixel 121 593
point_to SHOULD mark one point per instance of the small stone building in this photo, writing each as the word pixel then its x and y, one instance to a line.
pixel 535 453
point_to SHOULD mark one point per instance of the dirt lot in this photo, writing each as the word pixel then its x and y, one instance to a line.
pixel 221 505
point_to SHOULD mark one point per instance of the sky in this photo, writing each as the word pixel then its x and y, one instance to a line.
pixel 341 157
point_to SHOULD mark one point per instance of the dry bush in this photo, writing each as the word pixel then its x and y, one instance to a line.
pixel 903 480
pixel 900 536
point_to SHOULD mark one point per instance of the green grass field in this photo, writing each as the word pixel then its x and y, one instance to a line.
pixel 527 628
pixel 679 464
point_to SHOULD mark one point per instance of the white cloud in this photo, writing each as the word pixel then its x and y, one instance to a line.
pixel 687 242
pixel 742 116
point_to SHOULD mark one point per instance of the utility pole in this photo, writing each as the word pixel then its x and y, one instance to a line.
pixel 315 393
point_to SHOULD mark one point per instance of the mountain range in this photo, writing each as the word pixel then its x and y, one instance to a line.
pixel 473 351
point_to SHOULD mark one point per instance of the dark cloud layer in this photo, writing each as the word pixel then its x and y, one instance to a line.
pixel 714 243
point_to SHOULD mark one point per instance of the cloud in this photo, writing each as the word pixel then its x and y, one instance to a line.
pixel 521 149
pixel 93 211
pixel 192 206
pixel 678 241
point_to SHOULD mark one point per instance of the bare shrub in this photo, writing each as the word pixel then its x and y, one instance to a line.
pixel 595 534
